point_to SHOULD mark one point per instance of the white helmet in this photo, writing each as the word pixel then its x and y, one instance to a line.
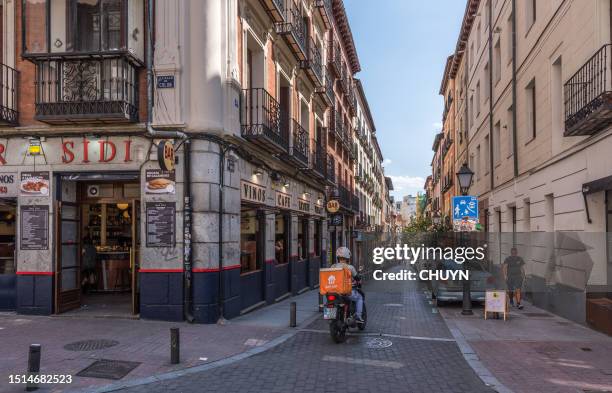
pixel 343 252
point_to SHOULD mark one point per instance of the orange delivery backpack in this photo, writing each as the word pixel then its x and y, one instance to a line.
pixel 335 280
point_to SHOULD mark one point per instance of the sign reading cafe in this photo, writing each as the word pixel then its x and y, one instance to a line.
pixel 252 192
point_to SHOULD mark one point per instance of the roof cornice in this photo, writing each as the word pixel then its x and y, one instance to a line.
pixel 344 29
pixel 466 27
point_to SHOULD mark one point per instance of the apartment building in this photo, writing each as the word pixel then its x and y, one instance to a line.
pixel 447 90
pixel 531 85
pixel 173 159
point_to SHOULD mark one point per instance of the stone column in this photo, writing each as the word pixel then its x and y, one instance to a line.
pixel 270 257
pixel 293 252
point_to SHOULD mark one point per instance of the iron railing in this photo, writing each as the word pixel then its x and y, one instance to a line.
pixel 102 89
pixel 345 197
pixel 9 79
pixel 276 9
pixel 355 203
pixel 325 8
pixel 338 125
pixel 314 62
pixel 319 156
pixel 294 29
pixel 331 169
pixel 299 147
pixel 334 57
pixel 588 95
pixel 261 119
pixel 329 85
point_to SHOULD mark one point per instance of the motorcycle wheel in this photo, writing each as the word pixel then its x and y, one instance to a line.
pixel 338 333
pixel 364 315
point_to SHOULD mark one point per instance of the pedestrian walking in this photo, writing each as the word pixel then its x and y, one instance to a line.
pixel 514 274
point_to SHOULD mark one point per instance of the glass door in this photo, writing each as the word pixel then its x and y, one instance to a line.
pixel 135 256
pixel 68 261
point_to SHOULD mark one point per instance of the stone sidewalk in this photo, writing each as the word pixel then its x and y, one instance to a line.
pixel 142 341
pixel 535 351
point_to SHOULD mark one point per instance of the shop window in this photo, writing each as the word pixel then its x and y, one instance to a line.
pixel 317 238
pixel 281 244
pixel 302 239
pixel 7 238
pixel 249 239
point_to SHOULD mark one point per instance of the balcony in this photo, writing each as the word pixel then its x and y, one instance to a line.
pixel 260 121
pixel 293 30
pixel 83 90
pixel 314 64
pixel 588 95
pixel 331 170
pixel 338 126
pixel 9 79
pixel 276 9
pixel 334 57
pixel 299 150
pixel 355 203
pixel 325 9
pixel 317 163
pixel 327 90
pixel 344 82
pixel 345 197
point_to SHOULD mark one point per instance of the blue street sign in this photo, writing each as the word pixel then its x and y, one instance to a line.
pixel 465 206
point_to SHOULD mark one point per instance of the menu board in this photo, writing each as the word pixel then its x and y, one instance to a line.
pixel 161 224
pixel 34 227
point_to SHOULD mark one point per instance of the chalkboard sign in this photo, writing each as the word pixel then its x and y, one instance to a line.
pixel 34 227
pixel 161 224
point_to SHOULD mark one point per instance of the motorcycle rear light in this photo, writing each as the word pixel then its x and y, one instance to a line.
pixel 331 298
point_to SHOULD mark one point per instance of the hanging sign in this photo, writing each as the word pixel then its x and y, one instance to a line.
pixel 34 234
pixel 34 184
pixel 333 205
pixel 283 200
pixel 165 155
pixel 159 181
pixel 252 192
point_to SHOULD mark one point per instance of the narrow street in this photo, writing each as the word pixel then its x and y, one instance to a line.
pixel 406 347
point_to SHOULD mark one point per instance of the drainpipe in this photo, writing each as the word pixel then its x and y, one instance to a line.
pixel 491 158
pixel 151 133
pixel 221 285
pixel 514 136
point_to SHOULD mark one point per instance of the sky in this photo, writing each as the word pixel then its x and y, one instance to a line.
pixel 402 47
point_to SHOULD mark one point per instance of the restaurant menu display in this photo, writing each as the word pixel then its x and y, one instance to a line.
pixel 159 181
pixel 34 184
pixel 34 227
pixel 161 224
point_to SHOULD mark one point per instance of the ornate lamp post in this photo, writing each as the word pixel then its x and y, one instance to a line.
pixel 464 178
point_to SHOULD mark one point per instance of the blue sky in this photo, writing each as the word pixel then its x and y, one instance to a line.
pixel 403 46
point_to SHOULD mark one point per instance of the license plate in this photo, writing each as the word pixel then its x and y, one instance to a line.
pixel 329 313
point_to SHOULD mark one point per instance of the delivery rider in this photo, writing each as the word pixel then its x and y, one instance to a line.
pixel 343 255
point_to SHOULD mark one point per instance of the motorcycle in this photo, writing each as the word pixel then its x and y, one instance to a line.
pixel 340 311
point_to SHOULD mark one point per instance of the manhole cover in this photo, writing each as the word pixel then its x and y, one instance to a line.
pixel 90 345
pixel 108 369
pixel 537 315
pixel 393 305
pixel 378 343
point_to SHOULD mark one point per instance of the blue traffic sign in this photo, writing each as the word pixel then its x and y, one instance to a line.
pixel 465 207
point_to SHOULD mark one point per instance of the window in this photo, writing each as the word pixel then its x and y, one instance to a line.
pixel 486 154
pixel 478 99
pixel 496 143
pixel 302 239
pixel 471 118
pixel 527 216
pixel 509 39
pixel 317 238
pixel 530 13
pixel 530 103
pixel 250 260
pixel 486 82
pixel 281 240
pixel 478 167
pixel 510 130
pixel 471 62
pixel 556 93
pixel 497 62
pixel 478 37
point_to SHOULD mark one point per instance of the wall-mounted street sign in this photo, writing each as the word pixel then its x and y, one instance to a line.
pixel 333 205
pixel 165 81
pixel 336 220
pixel 465 213
pixel 165 155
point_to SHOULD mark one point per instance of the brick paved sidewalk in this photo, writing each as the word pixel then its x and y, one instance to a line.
pixel 146 342
pixel 535 351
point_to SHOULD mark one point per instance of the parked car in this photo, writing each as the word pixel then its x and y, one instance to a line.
pixel 451 290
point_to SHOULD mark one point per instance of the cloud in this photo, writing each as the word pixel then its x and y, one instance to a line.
pixel 437 126
pixel 386 162
pixel 407 184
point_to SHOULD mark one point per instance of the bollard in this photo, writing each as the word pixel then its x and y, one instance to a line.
pixel 292 315
pixel 320 303
pixel 33 366
pixel 175 346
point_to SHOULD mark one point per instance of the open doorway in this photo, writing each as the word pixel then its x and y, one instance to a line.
pixel 97 248
pixel 8 278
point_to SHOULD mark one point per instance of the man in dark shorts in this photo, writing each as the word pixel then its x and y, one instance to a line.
pixel 514 273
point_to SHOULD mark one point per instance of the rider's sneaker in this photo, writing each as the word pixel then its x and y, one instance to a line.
pixel 359 320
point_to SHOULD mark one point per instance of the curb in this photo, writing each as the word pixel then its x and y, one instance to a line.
pixel 205 367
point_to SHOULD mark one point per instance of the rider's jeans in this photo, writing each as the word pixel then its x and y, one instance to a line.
pixel 358 299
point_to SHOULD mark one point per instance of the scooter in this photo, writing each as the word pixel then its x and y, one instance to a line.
pixel 340 311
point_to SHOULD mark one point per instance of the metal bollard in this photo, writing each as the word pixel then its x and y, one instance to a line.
pixel 175 346
pixel 320 303
pixel 33 366
pixel 292 315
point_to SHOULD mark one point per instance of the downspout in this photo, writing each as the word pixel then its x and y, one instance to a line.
pixel 514 136
pixel 221 284
pixel 154 134
pixel 491 158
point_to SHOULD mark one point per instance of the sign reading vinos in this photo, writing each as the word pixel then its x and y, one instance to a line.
pixel 252 192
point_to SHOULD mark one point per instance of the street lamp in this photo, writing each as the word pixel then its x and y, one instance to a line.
pixel 464 178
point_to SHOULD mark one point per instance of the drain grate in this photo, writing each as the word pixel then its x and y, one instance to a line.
pixel 108 369
pixel 537 314
pixel 378 343
pixel 90 345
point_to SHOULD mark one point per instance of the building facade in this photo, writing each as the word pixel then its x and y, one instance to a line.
pixel 187 177
pixel 531 80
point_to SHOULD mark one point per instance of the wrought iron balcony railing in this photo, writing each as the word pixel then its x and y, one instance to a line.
pixel 9 80
pixel 325 9
pixel 334 57
pixel 588 95
pixel 355 203
pixel 313 64
pixel 345 197
pixel 318 159
pixel 293 29
pixel 276 9
pixel 261 121
pixel 329 86
pixel 331 170
pixel 71 90
pixel 299 149
pixel 338 125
